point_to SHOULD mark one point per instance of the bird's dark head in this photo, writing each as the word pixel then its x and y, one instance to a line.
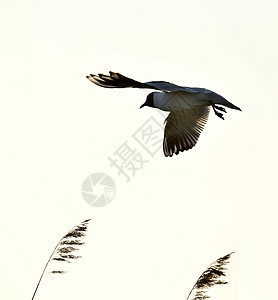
pixel 149 101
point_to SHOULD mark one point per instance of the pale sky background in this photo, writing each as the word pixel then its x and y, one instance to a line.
pixel 177 215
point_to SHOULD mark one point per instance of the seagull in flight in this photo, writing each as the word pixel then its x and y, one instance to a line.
pixel 189 108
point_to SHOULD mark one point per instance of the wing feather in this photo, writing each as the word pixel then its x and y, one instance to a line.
pixel 171 87
pixel 117 80
pixel 183 128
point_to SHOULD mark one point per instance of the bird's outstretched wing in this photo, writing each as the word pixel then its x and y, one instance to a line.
pixel 117 80
pixel 183 128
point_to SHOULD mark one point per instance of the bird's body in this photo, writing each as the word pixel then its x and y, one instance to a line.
pixel 188 107
pixel 178 100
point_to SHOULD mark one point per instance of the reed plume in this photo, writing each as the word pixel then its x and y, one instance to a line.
pixel 63 252
pixel 211 276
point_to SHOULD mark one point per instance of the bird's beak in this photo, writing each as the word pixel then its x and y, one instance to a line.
pixel 142 105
